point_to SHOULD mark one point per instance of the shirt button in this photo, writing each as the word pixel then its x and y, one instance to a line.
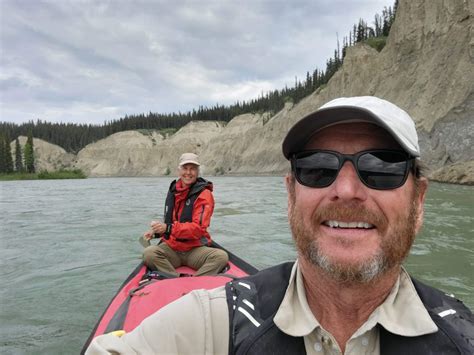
pixel 318 346
pixel 365 341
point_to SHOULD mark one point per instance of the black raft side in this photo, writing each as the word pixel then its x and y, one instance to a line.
pixel 129 278
pixel 234 259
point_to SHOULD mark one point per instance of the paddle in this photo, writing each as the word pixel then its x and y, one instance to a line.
pixel 144 242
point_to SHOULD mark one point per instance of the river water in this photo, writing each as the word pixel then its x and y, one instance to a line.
pixel 67 245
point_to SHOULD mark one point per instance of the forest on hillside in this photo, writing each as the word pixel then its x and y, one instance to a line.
pixel 73 137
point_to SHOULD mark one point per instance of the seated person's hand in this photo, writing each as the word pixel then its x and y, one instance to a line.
pixel 158 227
pixel 148 235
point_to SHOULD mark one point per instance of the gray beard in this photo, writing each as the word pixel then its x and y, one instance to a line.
pixel 393 249
pixel 363 273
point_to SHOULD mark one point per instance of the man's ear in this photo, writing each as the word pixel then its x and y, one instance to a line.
pixel 288 181
pixel 420 202
pixel 290 189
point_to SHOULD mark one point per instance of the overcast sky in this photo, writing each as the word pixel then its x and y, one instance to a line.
pixel 89 61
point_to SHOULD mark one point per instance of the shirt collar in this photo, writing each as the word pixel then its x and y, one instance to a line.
pixel 401 313
pixel 294 317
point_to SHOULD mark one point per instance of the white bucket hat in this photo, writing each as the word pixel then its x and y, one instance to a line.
pixel 354 109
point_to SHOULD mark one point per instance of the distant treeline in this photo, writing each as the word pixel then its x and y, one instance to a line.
pixel 73 137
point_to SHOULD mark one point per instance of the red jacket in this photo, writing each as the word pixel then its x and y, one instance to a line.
pixel 184 236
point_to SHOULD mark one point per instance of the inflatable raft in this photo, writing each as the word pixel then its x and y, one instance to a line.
pixel 144 292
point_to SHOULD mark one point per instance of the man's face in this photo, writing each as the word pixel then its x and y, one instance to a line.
pixel 351 253
pixel 188 173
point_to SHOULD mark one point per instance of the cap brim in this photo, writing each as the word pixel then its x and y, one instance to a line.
pixel 189 162
pixel 300 134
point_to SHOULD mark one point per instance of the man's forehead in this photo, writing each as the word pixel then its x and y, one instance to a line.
pixel 356 133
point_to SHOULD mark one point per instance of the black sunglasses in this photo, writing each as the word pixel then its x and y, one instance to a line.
pixel 377 169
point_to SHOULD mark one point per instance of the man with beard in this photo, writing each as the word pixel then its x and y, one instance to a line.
pixel 355 203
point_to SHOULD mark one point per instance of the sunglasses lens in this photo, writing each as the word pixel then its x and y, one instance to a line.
pixel 317 170
pixel 383 169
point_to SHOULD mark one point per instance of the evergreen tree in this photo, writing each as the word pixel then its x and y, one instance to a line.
pixel 3 168
pixel 8 155
pixel 29 154
pixel 362 31
pixel 345 44
pixel 386 22
pixel 18 156
pixel 378 25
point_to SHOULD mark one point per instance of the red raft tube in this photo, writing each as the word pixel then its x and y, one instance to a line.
pixel 140 296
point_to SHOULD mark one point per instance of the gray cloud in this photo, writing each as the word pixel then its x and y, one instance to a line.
pixel 90 61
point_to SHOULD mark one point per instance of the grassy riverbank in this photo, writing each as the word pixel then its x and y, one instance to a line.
pixel 45 175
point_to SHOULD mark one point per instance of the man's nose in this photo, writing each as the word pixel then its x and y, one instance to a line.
pixel 347 185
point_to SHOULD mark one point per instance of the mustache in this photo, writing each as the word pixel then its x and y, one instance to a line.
pixel 350 212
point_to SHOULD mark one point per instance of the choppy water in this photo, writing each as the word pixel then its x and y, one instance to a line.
pixel 67 245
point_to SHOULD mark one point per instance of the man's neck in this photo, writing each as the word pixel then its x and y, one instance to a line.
pixel 342 308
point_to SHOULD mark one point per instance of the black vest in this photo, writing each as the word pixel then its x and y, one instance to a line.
pixel 254 300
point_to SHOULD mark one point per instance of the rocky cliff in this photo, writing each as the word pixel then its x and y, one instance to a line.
pixel 426 68
pixel 132 153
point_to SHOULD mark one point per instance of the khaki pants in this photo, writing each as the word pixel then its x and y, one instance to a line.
pixel 205 260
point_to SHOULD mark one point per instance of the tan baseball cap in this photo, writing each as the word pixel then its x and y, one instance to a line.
pixel 354 109
pixel 189 158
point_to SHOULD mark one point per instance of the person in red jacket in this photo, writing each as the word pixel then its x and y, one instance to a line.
pixel 185 239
